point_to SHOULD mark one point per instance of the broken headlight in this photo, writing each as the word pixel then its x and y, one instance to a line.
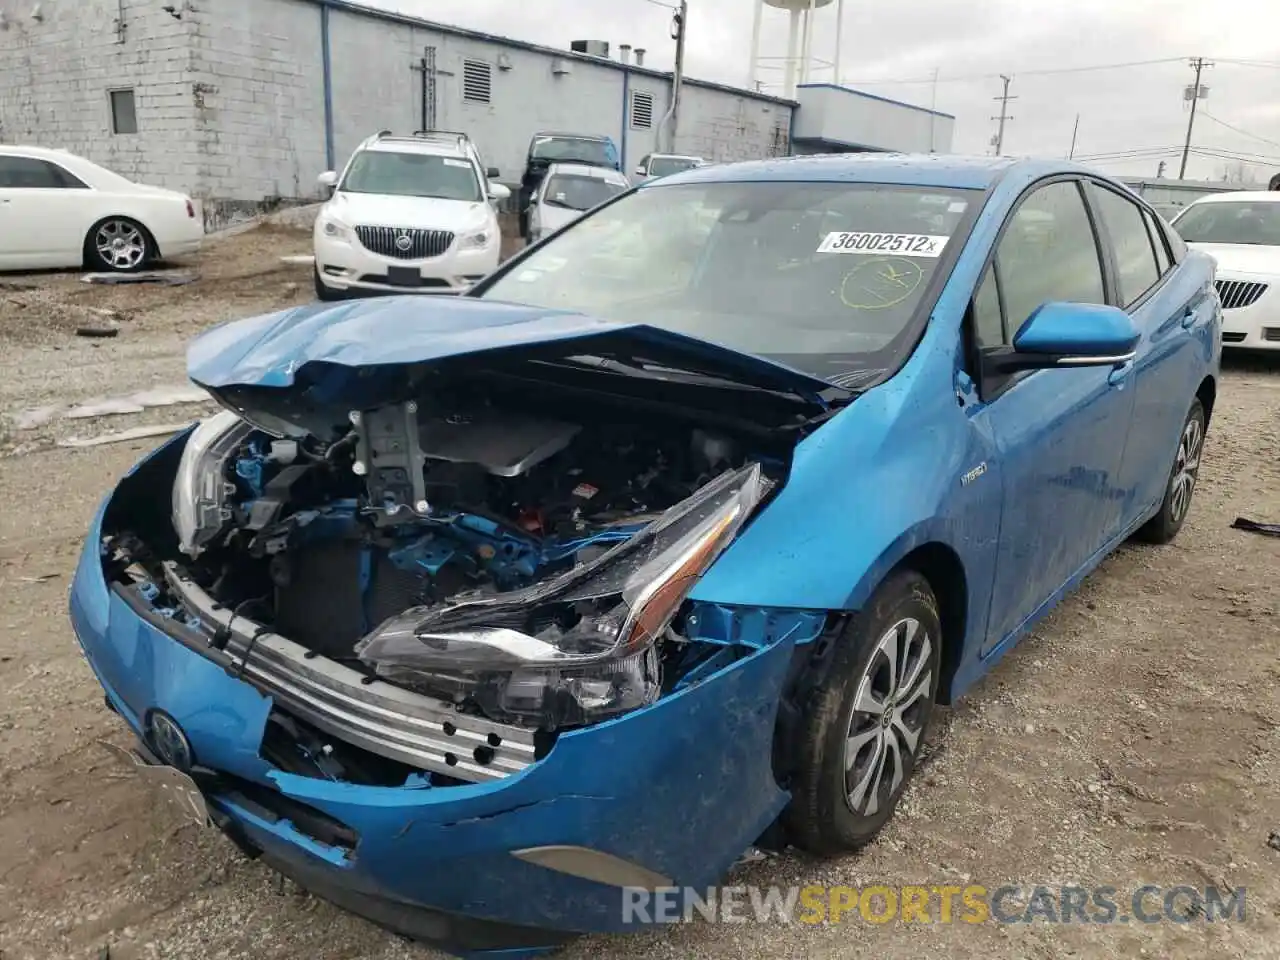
pixel 201 490
pixel 580 648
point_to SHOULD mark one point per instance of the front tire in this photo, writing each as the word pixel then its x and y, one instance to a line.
pixel 866 723
pixel 324 292
pixel 118 245
pixel 1175 507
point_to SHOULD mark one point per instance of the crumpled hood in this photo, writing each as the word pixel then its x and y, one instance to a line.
pixel 271 350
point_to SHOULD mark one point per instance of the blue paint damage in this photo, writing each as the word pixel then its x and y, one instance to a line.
pixel 1005 501
pixel 681 787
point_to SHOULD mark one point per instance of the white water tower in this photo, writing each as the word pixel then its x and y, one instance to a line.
pixel 798 63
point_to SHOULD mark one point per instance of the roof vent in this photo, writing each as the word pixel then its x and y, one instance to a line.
pixel 639 56
pixel 592 48
pixel 624 53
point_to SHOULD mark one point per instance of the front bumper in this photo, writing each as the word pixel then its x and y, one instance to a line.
pixel 1248 322
pixel 676 790
pixel 346 266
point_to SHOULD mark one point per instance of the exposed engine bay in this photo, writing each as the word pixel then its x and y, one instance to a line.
pixel 495 559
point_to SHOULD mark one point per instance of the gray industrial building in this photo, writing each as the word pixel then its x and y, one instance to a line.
pixel 246 102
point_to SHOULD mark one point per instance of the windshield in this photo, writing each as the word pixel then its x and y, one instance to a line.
pixel 595 152
pixel 1232 221
pixel 579 191
pixel 821 276
pixel 412 175
pixel 665 166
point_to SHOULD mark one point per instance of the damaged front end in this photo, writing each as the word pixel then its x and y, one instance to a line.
pixel 442 614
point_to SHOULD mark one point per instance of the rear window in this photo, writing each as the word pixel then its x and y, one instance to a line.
pixel 570 149
pixel 665 166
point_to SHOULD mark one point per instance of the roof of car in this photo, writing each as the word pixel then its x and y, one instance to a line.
pixel 1253 196
pixel 436 148
pixel 933 170
pixel 41 153
pixel 586 170
pixel 569 136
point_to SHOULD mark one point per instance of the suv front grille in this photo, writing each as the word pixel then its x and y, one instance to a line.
pixel 1237 294
pixel 404 244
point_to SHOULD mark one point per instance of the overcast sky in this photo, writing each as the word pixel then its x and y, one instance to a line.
pixel 1131 109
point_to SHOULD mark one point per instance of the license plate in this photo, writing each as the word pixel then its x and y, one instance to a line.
pixel 404 277
pixel 173 787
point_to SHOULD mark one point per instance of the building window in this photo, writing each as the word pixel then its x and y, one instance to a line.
pixel 477 81
pixel 124 117
pixel 641 110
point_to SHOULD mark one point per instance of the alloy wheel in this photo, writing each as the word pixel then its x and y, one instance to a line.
pixel 888 717
pixel 1185 469
pixel 120 245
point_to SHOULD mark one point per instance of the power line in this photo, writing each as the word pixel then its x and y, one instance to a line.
pixel 1253 136
pixel 1027 73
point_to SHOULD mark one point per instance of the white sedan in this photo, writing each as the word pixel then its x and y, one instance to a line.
pixel 1242 232
pixel 58 210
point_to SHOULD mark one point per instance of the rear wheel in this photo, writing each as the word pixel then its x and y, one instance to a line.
pixel 1164 526
pixel 118 245
pixel 867 722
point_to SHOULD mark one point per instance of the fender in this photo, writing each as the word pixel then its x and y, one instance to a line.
pixel 831 534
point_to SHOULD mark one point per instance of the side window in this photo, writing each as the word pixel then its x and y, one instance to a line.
pixel 988 321
pixel 29 173
pixel 1163 260
pixel 1049 253
pixel 1125 223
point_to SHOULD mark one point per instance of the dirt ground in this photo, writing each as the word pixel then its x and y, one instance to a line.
pixel 1134 738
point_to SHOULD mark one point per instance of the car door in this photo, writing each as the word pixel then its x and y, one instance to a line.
pixel 42 214
pixel 1168 309
pixel 1059 433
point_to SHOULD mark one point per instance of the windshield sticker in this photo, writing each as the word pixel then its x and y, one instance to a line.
pixel 958 206
pixel 449 162
pixel 905 244
pixel 880 283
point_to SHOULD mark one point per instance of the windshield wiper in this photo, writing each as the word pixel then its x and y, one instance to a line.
pixel 654 371
pixel 560 203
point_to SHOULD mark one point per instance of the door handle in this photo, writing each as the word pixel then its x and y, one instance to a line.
pixel 1120 374
pixel 1188 317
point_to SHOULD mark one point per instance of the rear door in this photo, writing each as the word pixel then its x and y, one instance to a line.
pixel 43 214
pixel 1169 308
pixel 1059 433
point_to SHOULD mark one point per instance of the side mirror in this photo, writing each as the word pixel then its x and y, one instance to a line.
pixel 640 170
pixel 328 179
pixel 498 191
pixel 1069 335
pixel 493 173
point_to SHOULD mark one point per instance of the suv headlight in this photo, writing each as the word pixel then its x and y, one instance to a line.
pixel 200 490
pixel 580 648
pixel 477 241
pixel 335 229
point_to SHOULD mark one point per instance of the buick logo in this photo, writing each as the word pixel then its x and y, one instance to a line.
pixel 170 744
pixel 404 242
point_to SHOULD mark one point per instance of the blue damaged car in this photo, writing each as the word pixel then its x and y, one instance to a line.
pixel 475 615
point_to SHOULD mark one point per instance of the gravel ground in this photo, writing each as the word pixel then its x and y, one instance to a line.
pixel 1134 738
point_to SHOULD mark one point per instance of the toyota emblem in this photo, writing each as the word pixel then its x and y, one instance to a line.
pixel 404 242
pixel 170 744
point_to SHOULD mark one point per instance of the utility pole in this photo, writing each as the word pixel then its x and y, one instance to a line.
pixel 672 119
pixel 1194 93
pixel 1074 131
pixel 1004 99
pixel 933 108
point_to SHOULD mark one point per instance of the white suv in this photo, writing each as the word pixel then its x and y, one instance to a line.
pixel 408 215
